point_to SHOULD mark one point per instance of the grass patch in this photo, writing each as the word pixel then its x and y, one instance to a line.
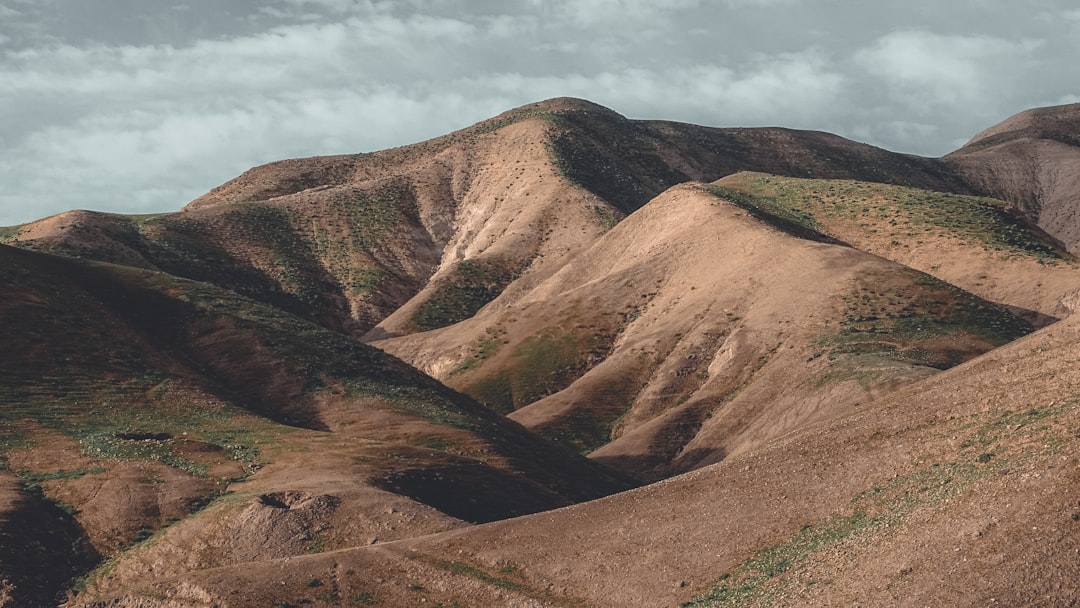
pixel 32 480
pixel 471 286
pixel 486 346
pixel 873 210
pixel 374 214
pixel 913 318
pixel 9 233
pixel 541 365
pixel 785 218
pixel 366 280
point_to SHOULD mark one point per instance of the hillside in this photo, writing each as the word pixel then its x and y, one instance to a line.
pixel 352 242
pixel 442 375
pixel 164 400
pixel 1032 160
pixel 980 244
pixel 957 491
pixel 653 357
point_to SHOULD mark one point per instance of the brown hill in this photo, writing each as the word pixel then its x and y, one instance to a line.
pixel 957 491
pixel 982 245
pixel 225 440
pixel 693 330
pixel 352 242
pixel 1033 161
pixel 132 399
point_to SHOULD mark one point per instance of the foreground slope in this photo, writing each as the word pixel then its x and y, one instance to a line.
pixel 694 330
pixel 958 491
pixel 132 399
pixel 1032 160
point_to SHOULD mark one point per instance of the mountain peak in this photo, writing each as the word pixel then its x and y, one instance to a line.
pixel 565 104
pixel 1051 122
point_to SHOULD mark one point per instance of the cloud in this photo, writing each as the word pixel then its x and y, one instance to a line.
pixel 931 69
pixel 102 114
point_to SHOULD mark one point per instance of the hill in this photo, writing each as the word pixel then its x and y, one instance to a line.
pixel 355 242
pixel 1031 160
pixel 133 400
pixel 812 349
pixel 959 490
pixel 694 330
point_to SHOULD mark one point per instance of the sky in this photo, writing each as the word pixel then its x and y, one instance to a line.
pixel 139 106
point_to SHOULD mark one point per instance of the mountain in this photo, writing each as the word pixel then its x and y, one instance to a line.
pixel 374 240
pixel 1031 159
pixel 317 382
pixel 956 491
pixel 677 338
pixel 133 399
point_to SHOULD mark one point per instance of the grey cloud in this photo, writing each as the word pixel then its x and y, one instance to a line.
pixel 143 108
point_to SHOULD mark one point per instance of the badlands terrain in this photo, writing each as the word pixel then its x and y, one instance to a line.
pixel 558 358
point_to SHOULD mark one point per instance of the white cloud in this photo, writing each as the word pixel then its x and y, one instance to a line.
pixel 929 68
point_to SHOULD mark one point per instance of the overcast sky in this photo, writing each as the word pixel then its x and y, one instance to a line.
pixel 142 105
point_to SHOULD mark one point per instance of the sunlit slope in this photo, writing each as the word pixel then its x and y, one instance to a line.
pixel 694 330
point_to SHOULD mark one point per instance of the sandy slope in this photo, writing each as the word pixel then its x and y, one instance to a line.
pixel 958 491
pixel 716 327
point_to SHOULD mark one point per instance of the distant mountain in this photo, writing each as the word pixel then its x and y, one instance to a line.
pixel 1032 160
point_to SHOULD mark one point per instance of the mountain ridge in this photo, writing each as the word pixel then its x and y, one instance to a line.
pixel 788 332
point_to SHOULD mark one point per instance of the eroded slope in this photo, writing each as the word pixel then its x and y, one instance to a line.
pixel 693 330
pixel 134 399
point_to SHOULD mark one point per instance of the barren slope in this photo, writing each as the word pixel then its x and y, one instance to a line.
pixel 1031 160
pixel 693 330
pixel 958 491
pixel 133 399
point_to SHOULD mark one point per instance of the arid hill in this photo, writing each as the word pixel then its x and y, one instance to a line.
pixel 960 490
pixel 133 399
pixel 315 383
pixel 1032 160
pixel 354 241
pixel 654 357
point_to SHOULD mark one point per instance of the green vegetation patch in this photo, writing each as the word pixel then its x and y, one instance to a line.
pixel 471 286
pixel 592 424
pixel 894 212
pixel 293 264
pixel 785 218
pixel 374 214
pixel 911 317
pixel 541 365
pixel 366 280
pixel 32 480
pixel 486 346
pixel 9 233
